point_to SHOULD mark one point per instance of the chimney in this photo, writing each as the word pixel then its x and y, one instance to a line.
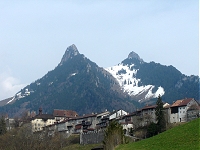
pixel 40 111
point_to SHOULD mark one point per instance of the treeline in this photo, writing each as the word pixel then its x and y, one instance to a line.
pixel 23 139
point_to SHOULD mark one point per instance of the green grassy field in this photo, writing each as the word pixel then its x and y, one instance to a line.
pixel 73 144
pixel 81 147
pixel 183 137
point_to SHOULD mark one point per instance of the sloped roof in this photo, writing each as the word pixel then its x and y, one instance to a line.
pixel 86 116
pixel 166 105
pixel 182 102
pixel 149 107
pixel 116 111
pixel 194 107
pixel 64 113
pixel 130 114
pixel 43 116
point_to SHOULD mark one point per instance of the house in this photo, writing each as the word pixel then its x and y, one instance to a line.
pixel 167 111
pixel 103 123
pixel 41 120
pixel 193 112
pixel 127 122
pixel 87 122
pixel 60 115
pixel 102 119
pixel 102 115
pixel 78 128
pixel 148 114
pixel 117 114
pixel 179 109
pixel 10 123
pixel 50 129
pixel 65 128
pixel 78 124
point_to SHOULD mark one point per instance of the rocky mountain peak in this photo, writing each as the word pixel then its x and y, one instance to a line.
pixel 133 55
pixel 70 52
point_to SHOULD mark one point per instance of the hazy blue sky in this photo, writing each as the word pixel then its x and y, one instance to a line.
pixel 35 34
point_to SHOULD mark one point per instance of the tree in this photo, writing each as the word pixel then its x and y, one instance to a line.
pixel 151 130
pixel 114 136
pixel 160 118
pixel 2 126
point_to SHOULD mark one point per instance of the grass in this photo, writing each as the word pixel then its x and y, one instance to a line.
pixel 183 137
pixel 80 147
pixel 73 144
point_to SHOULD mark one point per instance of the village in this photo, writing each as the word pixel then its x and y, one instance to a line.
pixel 67 122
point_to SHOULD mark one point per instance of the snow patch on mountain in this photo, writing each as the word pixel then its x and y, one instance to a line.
pixel 20 95
pixel 10 100
pixel 126 77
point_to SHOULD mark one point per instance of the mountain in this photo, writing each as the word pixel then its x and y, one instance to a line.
pixel 79 84
pixel 145 81
pixel 76 84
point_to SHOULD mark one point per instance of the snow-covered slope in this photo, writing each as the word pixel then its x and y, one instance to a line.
pixel 126 74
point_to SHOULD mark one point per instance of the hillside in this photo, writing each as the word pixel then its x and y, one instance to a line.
pixel 183 137
pixel 79 84
pixel 145 81
pixel 76 83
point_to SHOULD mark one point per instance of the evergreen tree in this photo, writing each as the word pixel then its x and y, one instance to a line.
pixel 2 126
pixel 152 130
pixel 160 115
pixel 114 135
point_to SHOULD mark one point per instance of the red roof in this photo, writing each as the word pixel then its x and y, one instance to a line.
pixel 64 113
pixel 43 116
pixel 149 107
pixel 182 102
pixel 85 116
pixel 78 126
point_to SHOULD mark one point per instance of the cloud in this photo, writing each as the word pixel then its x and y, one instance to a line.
pixel 9 85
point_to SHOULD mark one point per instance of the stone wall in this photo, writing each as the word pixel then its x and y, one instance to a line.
pixel 92 137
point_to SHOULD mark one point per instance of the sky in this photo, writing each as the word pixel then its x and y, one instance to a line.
pixel 35 34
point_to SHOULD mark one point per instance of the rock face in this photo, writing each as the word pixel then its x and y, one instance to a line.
pixel 126 75
pixel 69 53
pixel 133 55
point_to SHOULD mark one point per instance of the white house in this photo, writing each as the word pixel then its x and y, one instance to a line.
pixel 179 109
pixel 41 120
pixel 127 122
pixel 117 114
